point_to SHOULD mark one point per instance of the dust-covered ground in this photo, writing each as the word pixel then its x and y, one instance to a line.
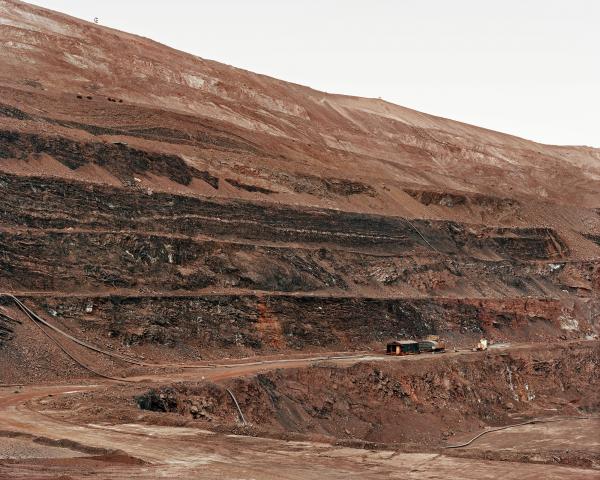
pixel 375 416
pixel 180 236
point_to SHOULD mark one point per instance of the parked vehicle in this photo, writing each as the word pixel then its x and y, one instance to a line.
pixel 403 347
pixel 431 346
pixel 412 347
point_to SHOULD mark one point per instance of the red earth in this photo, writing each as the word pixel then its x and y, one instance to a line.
pixel 161 212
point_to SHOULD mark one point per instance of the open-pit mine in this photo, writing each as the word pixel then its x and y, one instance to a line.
pixel 201 267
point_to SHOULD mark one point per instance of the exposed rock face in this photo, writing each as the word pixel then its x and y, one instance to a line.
pixel 416 404
pixel 205 210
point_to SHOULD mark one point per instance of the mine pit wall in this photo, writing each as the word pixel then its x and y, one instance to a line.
pixel 178 273
pixel 193 327
pixel 424 403
pixel 48 203
pixel 63 260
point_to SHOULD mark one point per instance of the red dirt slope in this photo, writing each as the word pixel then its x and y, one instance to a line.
pixel 187 208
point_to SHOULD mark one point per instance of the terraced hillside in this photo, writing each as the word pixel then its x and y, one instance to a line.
pixel 175 207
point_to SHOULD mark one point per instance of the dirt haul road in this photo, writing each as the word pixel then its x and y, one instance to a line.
pixel 135 450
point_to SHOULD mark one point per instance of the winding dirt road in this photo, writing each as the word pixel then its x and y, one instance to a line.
pixel 143 451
